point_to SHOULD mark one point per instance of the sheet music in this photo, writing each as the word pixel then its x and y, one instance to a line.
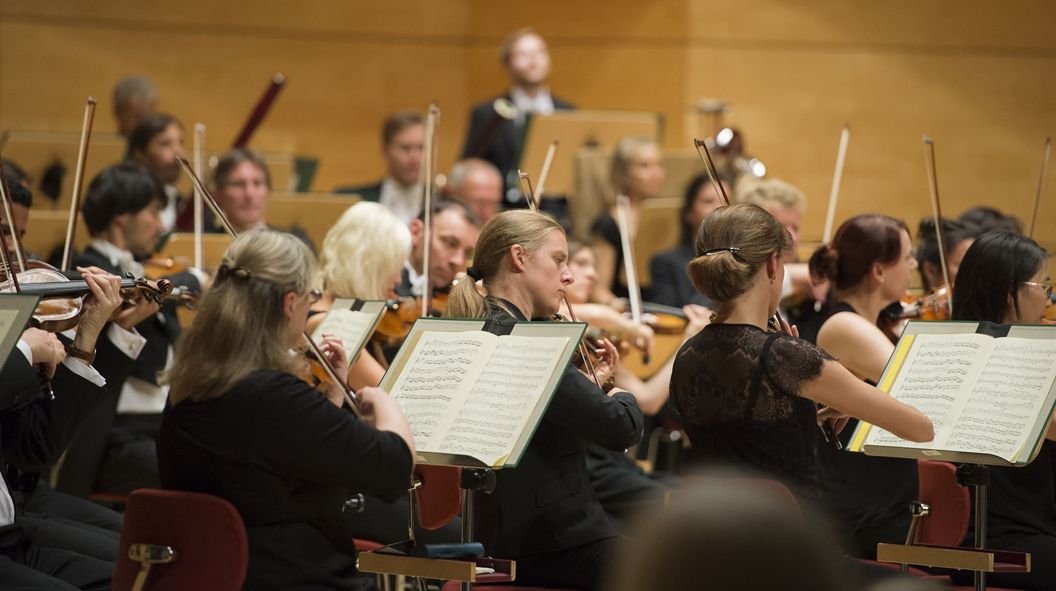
pixel 431 380
pixel 1007 398
pixel 938 369
pixel 350 326
pixel 501 400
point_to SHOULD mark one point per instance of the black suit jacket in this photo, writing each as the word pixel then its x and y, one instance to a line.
pixel 77 476
pixel 503 147
pixel 34 428
pixel 670 280
pixel 546 503
pixel 366 192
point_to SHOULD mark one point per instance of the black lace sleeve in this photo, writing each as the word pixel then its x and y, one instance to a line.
pixel 794 361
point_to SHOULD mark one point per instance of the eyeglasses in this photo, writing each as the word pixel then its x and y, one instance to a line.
pixel 1047 286
pixel 314 296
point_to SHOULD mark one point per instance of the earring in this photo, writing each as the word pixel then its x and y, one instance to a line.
pixel 771 280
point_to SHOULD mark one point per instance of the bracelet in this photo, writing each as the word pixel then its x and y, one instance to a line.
pixel 86 356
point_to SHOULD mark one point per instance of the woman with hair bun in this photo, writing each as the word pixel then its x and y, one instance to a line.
pixel 869 265
pixel 747 396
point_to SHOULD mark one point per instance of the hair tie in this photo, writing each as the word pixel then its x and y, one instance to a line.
pixel 731 249
pixel 474 274
pixel 225 271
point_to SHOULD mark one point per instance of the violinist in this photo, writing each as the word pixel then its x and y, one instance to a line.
pixel 1003 279
pixel 958 237
pixel 154 143
pixel 36 424
pixel 403 149
pixel 499 139
pixel 454 231
pixel 748 396
pixel 638 173
pixel 243 426
pixel 543 513
pixel 671 285
pixel 990 218
pixel 363 257
pixel 122 209
pixel 620 484
pixel 869 265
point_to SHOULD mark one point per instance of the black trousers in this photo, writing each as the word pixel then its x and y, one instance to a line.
pixel 583 567
pixel 131 459
pixel 47 501
pixel 44 555
pixel 1042 575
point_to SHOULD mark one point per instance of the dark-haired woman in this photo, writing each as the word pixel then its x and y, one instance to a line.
pixel 957 237
pixel 747 396
pixel 869 265
pixel 543 513
pixel 243 426
pixel 1003 279
pixel 670 283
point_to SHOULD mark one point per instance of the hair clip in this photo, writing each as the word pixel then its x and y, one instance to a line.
pixel 731 249
pixel 237 272
pixel 474 273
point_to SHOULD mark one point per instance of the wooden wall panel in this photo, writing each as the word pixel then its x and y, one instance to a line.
pixel 978 76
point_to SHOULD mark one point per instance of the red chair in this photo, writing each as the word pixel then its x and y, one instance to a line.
pixel 180 540
pixel 949 505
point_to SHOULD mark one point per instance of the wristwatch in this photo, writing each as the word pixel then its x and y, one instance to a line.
pixel 86 356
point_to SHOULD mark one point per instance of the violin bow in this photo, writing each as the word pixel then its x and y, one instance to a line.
pixel 432 119
pixel 526 187
pixel 350 396
pixel 5 257
pixel 78 180
pixel 199 222
pixel 936 212
pixel 634 289
pixel 1046 152
pixel 837 177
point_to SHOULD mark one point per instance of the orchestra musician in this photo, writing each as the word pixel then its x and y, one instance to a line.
pixel 478 185
pixel 122 209
pixel 497 138
pixel 869 265
pixel 671 285
pixel 748 397
pixel 36 423
pixel 403 149
pixel 957 237
pixel 244 426
pixel 543 513
pixel 454 232
pixel 1003 279
pixel 135 98
pixel 638 173
pixel 242 188
pixel 363 257
pixel 154 143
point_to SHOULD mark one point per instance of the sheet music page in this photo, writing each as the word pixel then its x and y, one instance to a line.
pixel 503 397
pixel 437 378
pixel 938 372
pixel 350 326
pixel 1004 404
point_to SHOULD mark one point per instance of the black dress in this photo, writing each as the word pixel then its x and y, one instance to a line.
pixel 867 496
pixel 543 513
pixel 605 227
pixel 286 458
pixel 737 388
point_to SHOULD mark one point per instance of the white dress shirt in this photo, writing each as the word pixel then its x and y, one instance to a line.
pixel 404 202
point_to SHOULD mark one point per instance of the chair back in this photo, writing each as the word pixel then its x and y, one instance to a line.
pixel 950 505
pixel 206 533
pixel 439 496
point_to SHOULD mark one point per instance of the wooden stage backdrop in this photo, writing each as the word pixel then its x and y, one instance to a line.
pixel 978 76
